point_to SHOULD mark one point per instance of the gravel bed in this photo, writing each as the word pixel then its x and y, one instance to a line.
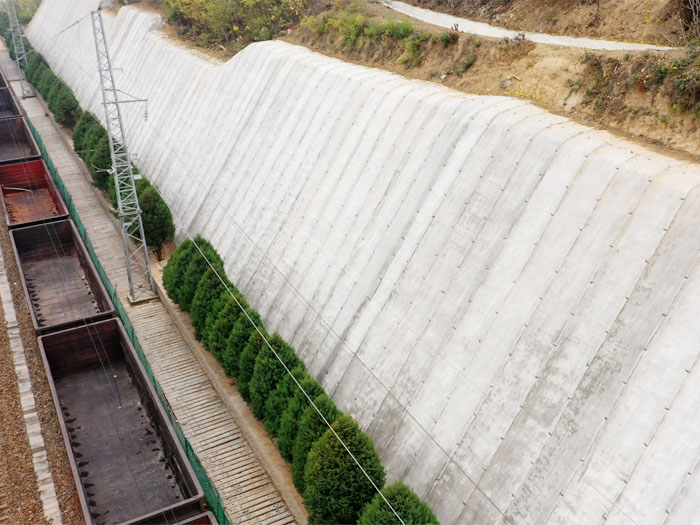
pixel 14 442
pixel 19 494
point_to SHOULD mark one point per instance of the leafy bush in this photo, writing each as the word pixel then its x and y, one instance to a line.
pixel 237 341
pixel 406 503
pixel 280 398
pixel 311 428
pixel 336 489
pixel 223 326
pixel 269 371
pixel 233 23
pixel 177 264
pixel 289 422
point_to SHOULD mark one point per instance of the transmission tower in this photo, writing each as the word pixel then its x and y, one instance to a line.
pixel 20 52
pixel 137 262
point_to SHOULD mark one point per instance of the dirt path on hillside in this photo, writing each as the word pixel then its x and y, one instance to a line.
pixel 472 27
pixel 552 77
pixel 649 21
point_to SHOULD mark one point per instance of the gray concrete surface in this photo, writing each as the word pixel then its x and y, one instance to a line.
pixel 507 301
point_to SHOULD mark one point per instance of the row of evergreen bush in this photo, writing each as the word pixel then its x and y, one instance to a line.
pixel 91 142
pixel 335 490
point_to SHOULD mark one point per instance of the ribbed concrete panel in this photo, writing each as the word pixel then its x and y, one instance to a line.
pixel 507 301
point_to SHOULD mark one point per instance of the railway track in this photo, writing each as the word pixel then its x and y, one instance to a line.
pixel 4 509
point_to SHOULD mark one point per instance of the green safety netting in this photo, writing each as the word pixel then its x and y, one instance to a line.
pixel 211 494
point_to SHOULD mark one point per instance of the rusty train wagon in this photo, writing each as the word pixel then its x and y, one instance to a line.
pixel 8 104
pixel 16 142
pixel 29 194
pixel 127 462
pixel 60 281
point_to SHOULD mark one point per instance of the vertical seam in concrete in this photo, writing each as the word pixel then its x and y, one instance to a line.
pixel 40 460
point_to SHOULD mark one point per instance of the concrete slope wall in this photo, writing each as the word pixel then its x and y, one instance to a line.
pixel 507 301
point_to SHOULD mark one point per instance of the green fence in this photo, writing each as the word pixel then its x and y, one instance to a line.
pixel 211 494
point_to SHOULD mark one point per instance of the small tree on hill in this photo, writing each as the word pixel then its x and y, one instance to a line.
pixel 289 423
pixel 246 365
pixel 158 226
pixel 280 398
pixel 223 326
pixel 406 503
pixel 238 339
pixel 269 371
pixel 311 428
pixel 336 489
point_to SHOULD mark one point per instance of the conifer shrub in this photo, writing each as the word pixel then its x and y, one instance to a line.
pixel 280 398
pixel 336 489
pixel 246 364
pixel 213 314
pixel 85 122
pixel 158 225
pixel 311 428
pixel 172 273
pixel 269 371
pixel 99 162
pixel 209 289
pixel 405 502
pixel 201 257
pixel 63 104
pixel 238 339
pixel 223 326
pixel 289 422
pixel 45 82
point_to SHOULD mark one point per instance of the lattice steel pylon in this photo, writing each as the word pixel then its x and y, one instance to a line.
pixel 20 52
pixel 137 262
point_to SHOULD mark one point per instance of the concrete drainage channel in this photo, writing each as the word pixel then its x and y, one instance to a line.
pixel 127 461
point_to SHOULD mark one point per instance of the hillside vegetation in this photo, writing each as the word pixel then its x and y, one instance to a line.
pixel 665 22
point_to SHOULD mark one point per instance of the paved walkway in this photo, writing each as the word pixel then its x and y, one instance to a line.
pixel 464 25
pixel 247 490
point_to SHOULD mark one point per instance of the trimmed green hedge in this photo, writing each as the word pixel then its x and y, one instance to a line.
pixel 221 331
pixel 246 364
pixel 209 290
pixel 411 508
pixel 289 423
pixel 311 428
pixel 237 340
pixel 335 490
pixel 280 398
pixel 269 371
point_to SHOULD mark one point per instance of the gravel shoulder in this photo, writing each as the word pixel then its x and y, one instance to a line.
pixel 16 469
